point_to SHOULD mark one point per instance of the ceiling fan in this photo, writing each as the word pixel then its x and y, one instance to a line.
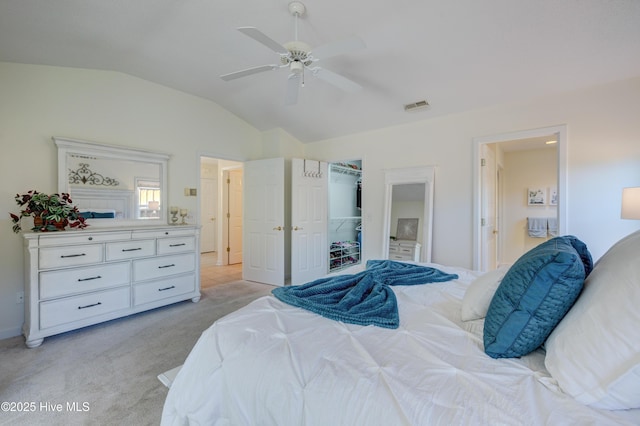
pixel 299 56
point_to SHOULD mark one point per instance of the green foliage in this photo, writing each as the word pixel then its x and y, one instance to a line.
pixel 49 209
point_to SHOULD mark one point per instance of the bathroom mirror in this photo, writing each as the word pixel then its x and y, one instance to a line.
pixel 111 185
pixel 409 193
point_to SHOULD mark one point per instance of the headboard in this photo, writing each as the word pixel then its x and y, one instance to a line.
pixel 106 199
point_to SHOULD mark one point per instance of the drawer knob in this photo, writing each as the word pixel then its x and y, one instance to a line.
pixel 90 238
pixel 89 306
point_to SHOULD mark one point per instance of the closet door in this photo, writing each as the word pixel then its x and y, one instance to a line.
pixel 309 200
pixel 264 221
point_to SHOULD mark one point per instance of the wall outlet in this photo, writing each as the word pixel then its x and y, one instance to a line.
pixel 20 297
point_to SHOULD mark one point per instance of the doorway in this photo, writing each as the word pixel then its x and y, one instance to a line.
pixel 490 233
pixel 220 213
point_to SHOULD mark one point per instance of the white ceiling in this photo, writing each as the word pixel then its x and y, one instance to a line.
pixel 458 55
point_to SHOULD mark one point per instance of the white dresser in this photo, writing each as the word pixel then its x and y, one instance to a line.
pixel 404 250
pixel 77 278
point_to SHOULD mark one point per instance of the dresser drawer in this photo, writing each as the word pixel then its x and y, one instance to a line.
pixel 176 231
pixel 70 309
pixel 399 256
pixel 176 245
pixel 148 269
pixel 81 280
pixel 57 257
pixel 162 289
pixel 81 238
pixel 130 249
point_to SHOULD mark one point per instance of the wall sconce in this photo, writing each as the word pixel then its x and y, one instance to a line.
pixel 630 203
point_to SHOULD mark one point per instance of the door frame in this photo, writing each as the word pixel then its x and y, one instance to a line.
pixel 560 131
pixel 221 245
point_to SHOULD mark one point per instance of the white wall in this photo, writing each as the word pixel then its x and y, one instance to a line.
pixel 603 157
pixel 38 102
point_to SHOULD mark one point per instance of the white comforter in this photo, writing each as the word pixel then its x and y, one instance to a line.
pixel 273 364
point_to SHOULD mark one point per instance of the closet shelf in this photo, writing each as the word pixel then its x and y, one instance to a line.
pixel 346 170
pixel 343 254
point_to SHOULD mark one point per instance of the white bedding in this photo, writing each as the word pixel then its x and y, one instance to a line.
pixel 273 364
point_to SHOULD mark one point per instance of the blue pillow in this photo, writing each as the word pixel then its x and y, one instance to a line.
pixel 534 295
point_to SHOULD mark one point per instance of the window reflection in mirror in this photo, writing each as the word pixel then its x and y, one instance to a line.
pixel 149 200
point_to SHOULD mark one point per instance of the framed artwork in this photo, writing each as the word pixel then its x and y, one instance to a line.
pixel 407 229
pixel 536 197
pixel 553 196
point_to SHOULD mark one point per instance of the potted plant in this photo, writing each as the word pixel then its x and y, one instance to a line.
pixel 50 212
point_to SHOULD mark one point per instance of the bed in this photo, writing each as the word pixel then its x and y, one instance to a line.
pixel 273 363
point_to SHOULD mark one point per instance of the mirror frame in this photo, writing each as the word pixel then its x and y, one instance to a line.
pixel 424 174
pixel 72 146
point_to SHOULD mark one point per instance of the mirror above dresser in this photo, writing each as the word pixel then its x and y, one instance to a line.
pixel 113 185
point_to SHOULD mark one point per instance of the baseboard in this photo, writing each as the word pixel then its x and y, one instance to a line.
pixel 10 332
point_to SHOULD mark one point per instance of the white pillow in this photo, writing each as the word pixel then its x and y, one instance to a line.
pixel 594 352
pixel 477 298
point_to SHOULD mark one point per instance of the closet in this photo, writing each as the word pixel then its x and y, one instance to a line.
pixel 345 218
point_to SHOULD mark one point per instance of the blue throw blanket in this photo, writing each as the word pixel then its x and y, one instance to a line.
pixel 364 298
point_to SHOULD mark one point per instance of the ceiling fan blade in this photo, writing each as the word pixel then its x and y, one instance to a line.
pixel 293 85
pixel 248 71
pixel 336 79
pixel 261 37
pixel 339 47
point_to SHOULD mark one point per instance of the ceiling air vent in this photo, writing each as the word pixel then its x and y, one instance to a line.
pixel 416 106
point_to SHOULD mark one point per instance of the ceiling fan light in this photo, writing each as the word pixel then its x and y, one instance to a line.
pixel 297 67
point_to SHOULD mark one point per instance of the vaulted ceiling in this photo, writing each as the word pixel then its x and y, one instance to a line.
pixel 458 55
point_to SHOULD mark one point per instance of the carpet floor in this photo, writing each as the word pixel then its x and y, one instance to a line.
pixel 107 374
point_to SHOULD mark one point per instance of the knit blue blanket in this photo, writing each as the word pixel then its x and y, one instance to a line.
pixel 364 298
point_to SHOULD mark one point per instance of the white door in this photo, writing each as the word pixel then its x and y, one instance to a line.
pixel 235 216
pixel 264 221
pixel 309 199
pixel 488 213
pixel 208 207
